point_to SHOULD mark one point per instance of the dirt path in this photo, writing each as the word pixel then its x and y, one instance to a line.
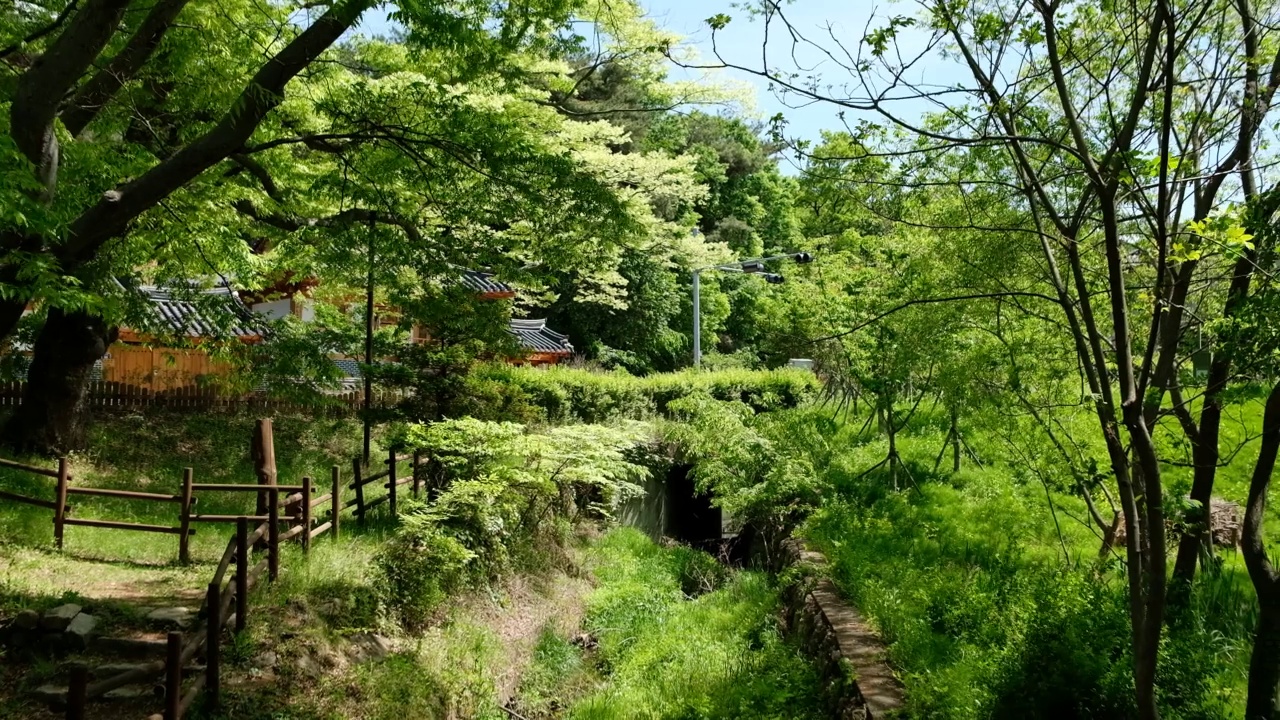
pixel 526 606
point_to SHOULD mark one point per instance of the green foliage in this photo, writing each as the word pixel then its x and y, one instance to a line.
pixel 421 567
pixel 569 394
pixel 718 656
pixel 509 494
pixel 758 468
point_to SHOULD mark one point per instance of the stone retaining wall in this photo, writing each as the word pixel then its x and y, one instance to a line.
pixel 850 656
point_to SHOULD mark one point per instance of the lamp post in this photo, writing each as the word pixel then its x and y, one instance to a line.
pixel 752 266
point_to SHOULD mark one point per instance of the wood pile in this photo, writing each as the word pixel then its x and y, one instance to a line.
pixel 1224 522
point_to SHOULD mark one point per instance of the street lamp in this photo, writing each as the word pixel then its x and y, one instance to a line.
pixel 754 266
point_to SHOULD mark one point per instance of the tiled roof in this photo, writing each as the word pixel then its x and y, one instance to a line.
pixel 536 336
pixel 483 283
pixel 349 368
pixel 201 313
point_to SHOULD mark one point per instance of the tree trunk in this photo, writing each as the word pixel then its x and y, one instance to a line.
pixel 955 441
pixel 1264 665
pixel 54 413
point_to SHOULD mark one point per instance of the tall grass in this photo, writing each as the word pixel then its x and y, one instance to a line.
pixel 996 604
pixel 663 654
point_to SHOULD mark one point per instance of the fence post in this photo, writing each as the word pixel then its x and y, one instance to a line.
pixel 264 460
pixel 358 483
pixel 306 514
pixel 211 649
pixel 335 503
pixel 184 522
pixel 76 695
pixel 417 485
pixel 273 534
pixel 60 512
pixel 391 481
pixel 173 675
pixel 242 572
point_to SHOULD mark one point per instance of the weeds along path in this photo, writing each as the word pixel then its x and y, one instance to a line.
pixel 670 633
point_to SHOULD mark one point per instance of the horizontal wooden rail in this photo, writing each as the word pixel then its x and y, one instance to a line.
pixel 320 529
pixel 257 534
pixel 257 570
pixel 353 502
pixel 245 487
pixel 322 500
pixel 372 504
pixel 293 533
pixel 128 677
pixel 194 645
pixel 369 478
pixel 29 468
pixel 126 494
pixel 227 556
pixel 399 483
pixel 291 499
pixel 190 695
pixel 228 518
pixel 115 525
pixel 225 611
pixel 30 501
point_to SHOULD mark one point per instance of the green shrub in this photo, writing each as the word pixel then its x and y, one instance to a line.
pixel 698 571
pixel 508 498
pixel 571 394
pixel 421 566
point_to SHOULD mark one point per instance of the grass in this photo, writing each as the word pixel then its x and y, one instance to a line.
pixel 995 605
pixel 149 452
pixel 663 654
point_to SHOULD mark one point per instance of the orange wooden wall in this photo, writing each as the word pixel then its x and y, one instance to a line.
pixel 158 368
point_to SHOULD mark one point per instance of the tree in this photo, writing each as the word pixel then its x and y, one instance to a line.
pixel 182 148
pixel 1107 126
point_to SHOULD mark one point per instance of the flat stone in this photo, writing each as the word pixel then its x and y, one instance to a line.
pixel 51 694
pixel 26 620
pixel 80 632
pixel 57 619
pixel 307 666
pixel 267 659
pixel 175 618
pixel 367 646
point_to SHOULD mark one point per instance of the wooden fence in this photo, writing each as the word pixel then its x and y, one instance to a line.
pixel 298 513
pixel 363 503
pixel 225 606
pixel 112 394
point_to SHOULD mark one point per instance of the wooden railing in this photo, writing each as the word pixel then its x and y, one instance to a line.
pixel 226 598
pixel 362 503
pixel 297 512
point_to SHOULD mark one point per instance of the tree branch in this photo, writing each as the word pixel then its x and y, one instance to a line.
pixel 95 94
pixel 41 88
pixel 111 215
pixel 930 301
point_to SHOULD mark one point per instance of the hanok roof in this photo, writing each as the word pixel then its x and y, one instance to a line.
pixel 484 284
pixel 201 313
pixel 536 336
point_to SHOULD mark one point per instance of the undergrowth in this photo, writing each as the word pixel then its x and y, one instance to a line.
pixel 661 653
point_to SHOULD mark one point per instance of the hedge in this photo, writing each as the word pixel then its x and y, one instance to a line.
pixel 571 394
